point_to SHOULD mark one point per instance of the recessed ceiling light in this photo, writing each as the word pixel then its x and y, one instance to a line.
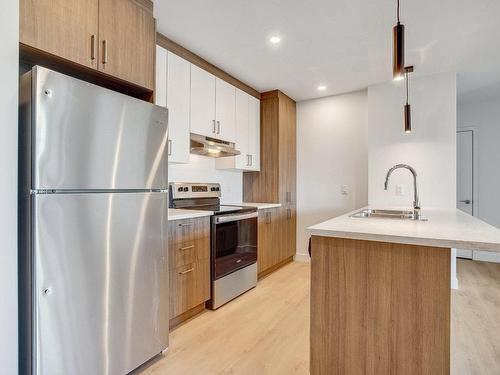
pixel 321 87
pixel 275 39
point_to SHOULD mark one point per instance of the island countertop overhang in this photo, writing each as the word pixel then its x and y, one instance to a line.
pixel 449 228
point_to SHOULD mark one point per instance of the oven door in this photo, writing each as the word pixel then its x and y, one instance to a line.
pixel 234 243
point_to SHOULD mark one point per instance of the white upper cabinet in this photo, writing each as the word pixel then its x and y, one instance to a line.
pixel 161 77
pixel 178 104
pixel 173 91
pixel 247 121
pixel 241 161
pixel 225 96
pixel 254 133
pixel 203 119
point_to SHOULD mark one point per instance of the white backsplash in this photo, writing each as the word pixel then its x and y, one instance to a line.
pixel 202 169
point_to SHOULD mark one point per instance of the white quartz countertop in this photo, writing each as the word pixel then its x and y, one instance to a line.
pixel 259 206
pixel 178 214
pixel 450 228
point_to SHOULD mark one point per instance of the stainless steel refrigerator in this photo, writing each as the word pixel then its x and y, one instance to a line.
pixel 93 228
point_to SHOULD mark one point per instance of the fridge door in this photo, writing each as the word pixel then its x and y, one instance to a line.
pixel 85 137
pixel 101 282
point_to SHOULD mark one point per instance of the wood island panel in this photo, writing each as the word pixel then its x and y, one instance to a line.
pixel 379 308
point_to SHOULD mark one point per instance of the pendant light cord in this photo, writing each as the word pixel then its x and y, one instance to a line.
pixel 398 11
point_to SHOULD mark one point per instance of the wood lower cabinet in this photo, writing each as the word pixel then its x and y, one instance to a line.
pixel 189 267
pixel 65 28
pixel 276 239
pixel 114 37
pixel 189 287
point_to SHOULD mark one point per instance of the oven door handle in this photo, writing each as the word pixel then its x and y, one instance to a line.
pixel 229 218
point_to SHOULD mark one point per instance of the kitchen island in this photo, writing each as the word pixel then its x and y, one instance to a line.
pixel 380 291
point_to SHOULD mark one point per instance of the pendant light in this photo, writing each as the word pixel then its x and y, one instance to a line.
pixel 398 49
pixel 407 105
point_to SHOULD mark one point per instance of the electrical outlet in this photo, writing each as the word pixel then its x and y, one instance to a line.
pixel 344 190
pixel 400 191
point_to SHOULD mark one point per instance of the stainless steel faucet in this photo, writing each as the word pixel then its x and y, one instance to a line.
pixel 416 201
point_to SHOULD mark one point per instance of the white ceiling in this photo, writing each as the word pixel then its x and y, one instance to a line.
pixel 343 44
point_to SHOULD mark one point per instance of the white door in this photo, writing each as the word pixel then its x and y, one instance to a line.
pixel 254 133
pixel 465 178
pixel 225 104
pixel 178 99
pixel 202 102
pixel 242 160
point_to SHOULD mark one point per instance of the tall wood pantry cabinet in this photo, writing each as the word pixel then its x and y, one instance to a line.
pixel 276 181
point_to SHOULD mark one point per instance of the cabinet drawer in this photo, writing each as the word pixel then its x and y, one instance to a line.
pixel 187 230
pixel 183 253
pixel 189 286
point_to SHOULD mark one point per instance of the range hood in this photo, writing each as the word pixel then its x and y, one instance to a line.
pixel 212 147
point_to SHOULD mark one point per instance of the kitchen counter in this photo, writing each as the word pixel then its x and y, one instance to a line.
pixel 259 206
pixel 380 291
pixel 178 214
pixel 444 228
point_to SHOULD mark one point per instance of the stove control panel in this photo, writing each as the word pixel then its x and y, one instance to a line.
pixel 186 190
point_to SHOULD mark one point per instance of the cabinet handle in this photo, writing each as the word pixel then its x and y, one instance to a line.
pixel 186 271
pixel 218 127
pixel 185 224
pixel 289 213
pixel 251 160
pixel 214 129
pixel 248 160
pixel 186 248
pixel 92 47
pixel 104 52
pixel 268 213
pixel 288 197
pixel 169 147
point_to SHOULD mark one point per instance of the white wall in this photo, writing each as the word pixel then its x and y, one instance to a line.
pixel 202 169
pixel 9 61
pixel 331 152
pixel 430 148
pixel 485 118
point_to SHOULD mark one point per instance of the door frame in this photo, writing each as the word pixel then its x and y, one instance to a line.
pixel 475 166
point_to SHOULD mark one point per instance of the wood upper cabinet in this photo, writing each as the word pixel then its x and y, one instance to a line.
pixel 65 28
pixel 116 37
pixel 127 41
pixel 276 181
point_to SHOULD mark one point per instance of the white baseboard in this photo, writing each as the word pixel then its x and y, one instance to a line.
pixel 486 256
pixel 454 283
pixel 302 257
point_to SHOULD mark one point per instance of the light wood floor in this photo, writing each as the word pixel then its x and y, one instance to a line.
pixel 266 331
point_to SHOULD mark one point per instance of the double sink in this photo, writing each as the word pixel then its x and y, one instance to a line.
pixel 386 214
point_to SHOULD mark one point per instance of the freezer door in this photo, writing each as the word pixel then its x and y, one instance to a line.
pixel 101 282
pixel 85 137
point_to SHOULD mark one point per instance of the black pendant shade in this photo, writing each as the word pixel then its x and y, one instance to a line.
pixel 398 53
pixel 407 118
pixel 407 111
